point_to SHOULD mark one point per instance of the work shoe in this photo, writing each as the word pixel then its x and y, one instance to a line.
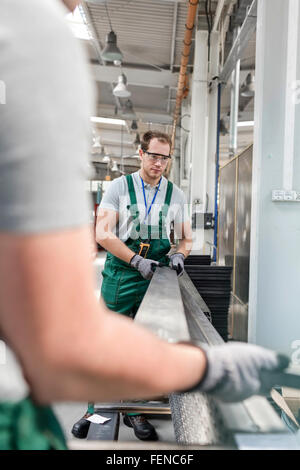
pixel 142 428
pixel 81 428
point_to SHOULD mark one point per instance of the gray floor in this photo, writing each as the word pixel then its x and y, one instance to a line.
pixel 69 413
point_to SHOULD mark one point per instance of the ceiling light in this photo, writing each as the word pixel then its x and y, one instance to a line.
pixel 102 120
pixel 77 25
pixel 121 90
pixel 134 125
pixel 248 87
pixel 115 167
pixel 96 143
pixel 128 111
pixel 102 152
pixel 111 51
pixel 106 159
pixel 245 124
pixel 137 140
pixel 223 128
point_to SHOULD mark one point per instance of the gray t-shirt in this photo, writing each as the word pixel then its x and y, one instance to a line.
pixel 44 132
pixel 45 123
pixel 117 198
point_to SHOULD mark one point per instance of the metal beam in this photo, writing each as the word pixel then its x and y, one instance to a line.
pixel 174 36
pixel 140 407
pixel 240 43
pixel 234 105
pixel 218 13
pixel 136 77
pixel 164 314
pixel 240 12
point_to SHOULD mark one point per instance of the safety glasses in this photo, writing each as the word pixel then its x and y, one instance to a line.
pixel 156 157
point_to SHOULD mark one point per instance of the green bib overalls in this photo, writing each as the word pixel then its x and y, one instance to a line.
pixel 123 287
pixel 27 426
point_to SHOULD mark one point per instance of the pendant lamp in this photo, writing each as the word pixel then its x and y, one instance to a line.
pixel 111 51
pixel 121 90
pixel 115 166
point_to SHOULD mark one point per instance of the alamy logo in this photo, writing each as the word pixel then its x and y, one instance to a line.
pixel 296 92
pixel 2 92
pixel 296 354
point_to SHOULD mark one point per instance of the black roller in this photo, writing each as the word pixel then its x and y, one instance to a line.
pixel 214 285
pixel 198 260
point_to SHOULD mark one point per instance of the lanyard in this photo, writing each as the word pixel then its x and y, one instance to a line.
pixel 146 206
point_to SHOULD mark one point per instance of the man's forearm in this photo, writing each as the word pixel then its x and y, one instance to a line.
pixel 122 368
pixel 184 246
pixel 71 347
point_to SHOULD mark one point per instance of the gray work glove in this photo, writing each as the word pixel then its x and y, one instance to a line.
pixel 177 263
pixel 145 266
pixel 234 371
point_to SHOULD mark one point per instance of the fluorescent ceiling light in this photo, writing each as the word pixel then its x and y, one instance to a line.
pixel 102 120
pixel 245 124
pixel 77 25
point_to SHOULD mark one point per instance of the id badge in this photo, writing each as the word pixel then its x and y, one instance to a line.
pixel 144 248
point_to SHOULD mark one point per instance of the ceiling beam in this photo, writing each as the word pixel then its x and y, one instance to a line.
pixel 136 77
pixel 144 114
pixel 218 13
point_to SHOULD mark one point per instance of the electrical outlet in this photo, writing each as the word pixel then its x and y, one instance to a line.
pixel 285 196
pixel 277 195
pixel 289 195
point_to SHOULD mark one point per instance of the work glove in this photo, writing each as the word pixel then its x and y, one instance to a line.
pixel 145 266
pixel 177 263
pixel 235 371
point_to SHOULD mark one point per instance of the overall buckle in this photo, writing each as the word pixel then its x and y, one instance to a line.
pixel 144 248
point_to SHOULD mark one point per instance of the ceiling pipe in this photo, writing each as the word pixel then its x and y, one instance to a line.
pixel 187 42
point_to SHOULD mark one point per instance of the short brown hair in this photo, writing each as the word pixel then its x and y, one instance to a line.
pixel 160 136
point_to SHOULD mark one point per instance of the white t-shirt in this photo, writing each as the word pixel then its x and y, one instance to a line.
pixel 117 198
pixel 44 133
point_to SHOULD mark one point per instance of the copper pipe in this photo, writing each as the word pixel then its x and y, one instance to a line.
pixel 191 14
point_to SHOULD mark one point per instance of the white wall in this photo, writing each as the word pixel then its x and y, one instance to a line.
pixel 274 300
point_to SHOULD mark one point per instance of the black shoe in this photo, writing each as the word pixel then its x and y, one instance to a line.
pixel 81 428
pixel 142 428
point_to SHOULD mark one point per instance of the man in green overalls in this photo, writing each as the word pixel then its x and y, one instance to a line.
pixel 142 206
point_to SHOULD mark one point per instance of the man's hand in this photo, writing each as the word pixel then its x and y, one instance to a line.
pixel 233 371
pixel 145 266
pixel 177 263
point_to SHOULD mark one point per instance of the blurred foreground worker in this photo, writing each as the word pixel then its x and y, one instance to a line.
pixel 143 206
pixel 61 344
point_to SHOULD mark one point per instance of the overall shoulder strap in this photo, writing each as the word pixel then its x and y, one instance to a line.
pixel 165 207
pixel 131 190
pixel 169 193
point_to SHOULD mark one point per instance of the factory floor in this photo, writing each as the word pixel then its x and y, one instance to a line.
pixel 69 413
